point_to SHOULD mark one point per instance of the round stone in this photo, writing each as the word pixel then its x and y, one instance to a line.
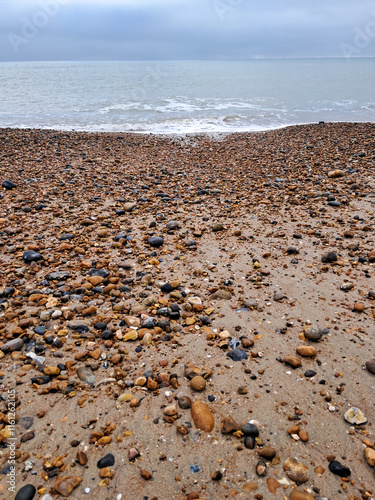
pixel 370 365
pixel 267 452
pixel 313 333
pixel 155 241
pixel 250 430
pixel 198 383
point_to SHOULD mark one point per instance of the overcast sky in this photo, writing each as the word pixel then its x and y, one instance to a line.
pixel 184 29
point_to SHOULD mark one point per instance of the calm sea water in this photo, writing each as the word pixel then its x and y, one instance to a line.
pixel 185 96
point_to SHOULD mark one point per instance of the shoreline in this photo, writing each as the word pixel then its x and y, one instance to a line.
pixel 264 251
pixel 212 134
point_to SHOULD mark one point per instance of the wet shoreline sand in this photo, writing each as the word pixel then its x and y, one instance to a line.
pixel 264 235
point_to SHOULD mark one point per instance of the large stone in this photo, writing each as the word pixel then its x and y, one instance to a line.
pixel 221 295
pixel 293 361
pixel 31 256
pixel 27 492
pixel 202 417
pixel 355 416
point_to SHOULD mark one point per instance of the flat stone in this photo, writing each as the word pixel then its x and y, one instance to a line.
pixel 58 275
pixel 300 495
pixel 229 425
pixel 296 471
pixel 107 461
pixel 221 295
pixel 202 417
pixel 355 416
pixel 12 345
pixel 237 354
pixel 31 256
pixel 7 184
pixel 86 375
pixel 64 485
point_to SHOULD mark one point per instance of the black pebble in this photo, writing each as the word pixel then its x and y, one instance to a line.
pixel 340 470
pixel 9 185
pixel 31 256
pixel 106 461
pixel 237 355
pixel 155 241
pixel 310 373
pixel 27 492
pixel 166 288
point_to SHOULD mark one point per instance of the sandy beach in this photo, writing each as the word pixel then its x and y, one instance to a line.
pixel 188 317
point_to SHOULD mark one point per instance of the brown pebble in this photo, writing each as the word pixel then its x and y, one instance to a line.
pixel 358 307
pixel 229 425
pixel 198 383
pixel 202 417
pixel 300 495
pixel 64 485
pixel 370 365
pixel 306 351
pixel 145 474
pixel 293 361
pixel 296 471
pixel 267 452
pixel 82 457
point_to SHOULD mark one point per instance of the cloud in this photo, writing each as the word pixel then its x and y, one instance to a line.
pixel 179 29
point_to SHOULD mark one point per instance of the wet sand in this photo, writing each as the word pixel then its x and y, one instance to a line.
pixel 267 244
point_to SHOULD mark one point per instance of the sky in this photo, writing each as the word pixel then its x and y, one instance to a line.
pixel 58 30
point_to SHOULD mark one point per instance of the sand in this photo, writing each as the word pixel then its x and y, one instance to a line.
pixel 247 263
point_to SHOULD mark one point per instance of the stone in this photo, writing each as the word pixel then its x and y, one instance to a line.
pixel 370 456
pixel 370 366
pixel 267 452
pixel 329 257
pixel 86 375
pixel 300 495
pixel 293 361
pixel 172 225
pixel 277 296
pixel 198 383
pixel 145 474
pixel 13 345
pixel 249 429
pixel 129 206
pixel 261 468
pixel 107 461
pixel 221 295
pixel 313 333
pixel 57 275
pixel 64 485
pixel 304 436
pixel 309 373
pixel 296 471
pixel 31 256
pixel 273 485
pixel 202 417
pixel 358 307
pixel 184 402
pixel 292 250
pixel 133 453
pixel 340 470
pixel 355 416
pixel 306 351
pixel 7 184
pixel 237 355
pixel 336 174
pixel 170 410
pixel 82 457
pixel 371 256
pixel 217 227
pixel 27 492
pixel 229 425
pixel 155 241
pixel 51 370
pixel 249 442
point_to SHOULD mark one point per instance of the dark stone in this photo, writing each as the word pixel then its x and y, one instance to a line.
pixel 9 185
pixel 41 380
pixel 80 328
pixel 329 257
pixel 250 430
pixel 249 442
pixel 107 461
pixel 66 236
pixel 99 272
pixel 120 236
pixel 309 373
pixel 334 203
pixel 27 492
pixel 155 241
pixel 31 256
pixel 340 470
pixel 166 288
pixel 7 292
pixel 148 323
pixel 58 275
pixel 107 334
pixel 237 355
pixel 100 326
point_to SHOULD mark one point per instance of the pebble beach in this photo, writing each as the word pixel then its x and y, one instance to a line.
pixel 188 317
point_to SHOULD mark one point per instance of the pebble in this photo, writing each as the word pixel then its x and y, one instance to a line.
pixel 300 495
pixel 221 295
pixel 27 492
pixel 355 416
pixel 293 361
pixel 296 471
pixel 13 345
pixel 329 257
pixel 202 417
pixel 107 461
pixel 249 429
pixel 237 355
pixel 306 351
pixel 229 425
pixel 198 383
pixel 313 333
pixel 370 365
pixel 64 485
pixel 370 456
pixel 31 256
pixel 86 375
pixel 340 470
pixel 155 241
pixel 267 452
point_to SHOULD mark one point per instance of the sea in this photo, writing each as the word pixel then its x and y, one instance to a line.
pixel 184 97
